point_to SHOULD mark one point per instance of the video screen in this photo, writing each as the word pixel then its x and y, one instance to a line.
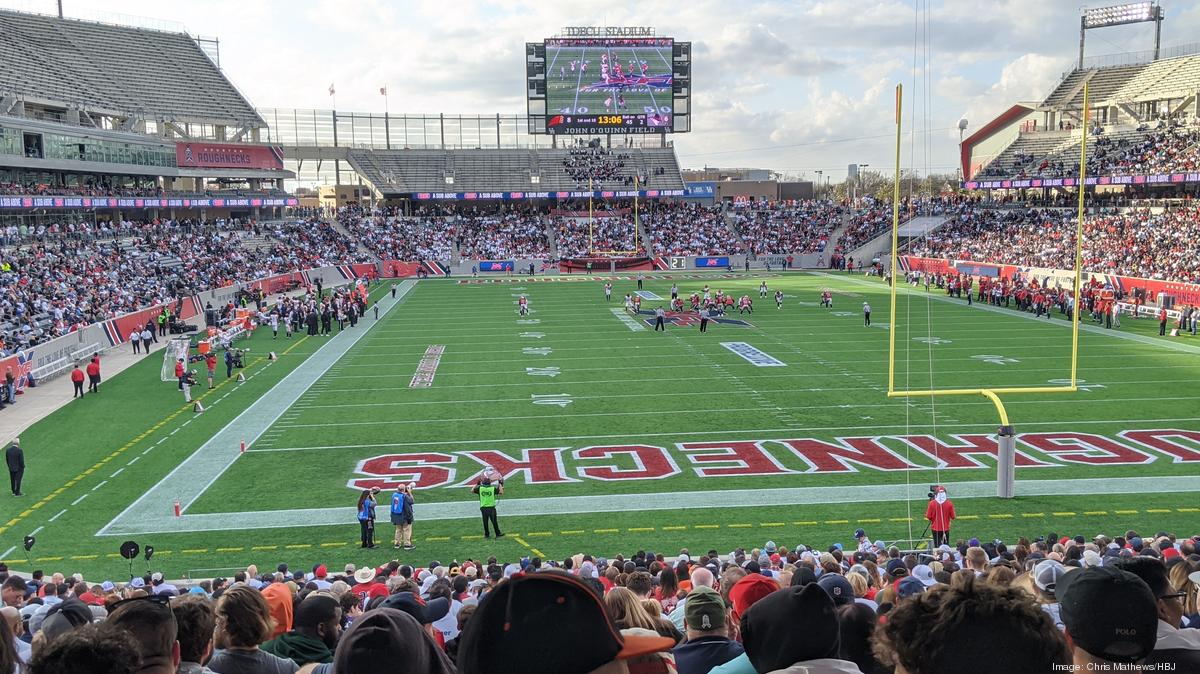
pixel 608 85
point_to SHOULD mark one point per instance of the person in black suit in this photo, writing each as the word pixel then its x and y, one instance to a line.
pixel 15 458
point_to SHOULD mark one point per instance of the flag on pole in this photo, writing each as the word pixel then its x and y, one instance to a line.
pixel 383 90
pixel 331 88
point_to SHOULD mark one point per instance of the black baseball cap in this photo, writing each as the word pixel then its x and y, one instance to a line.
pixel 1109 613
pixel 426 612
pixel 546 623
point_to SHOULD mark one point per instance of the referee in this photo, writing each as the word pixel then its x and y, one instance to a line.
pixel 659 316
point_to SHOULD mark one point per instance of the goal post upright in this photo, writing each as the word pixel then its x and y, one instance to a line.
pixel 1006 467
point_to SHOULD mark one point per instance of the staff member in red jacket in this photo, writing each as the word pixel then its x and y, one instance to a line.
pixel 93 373
pixel 1162 322
pixel 940 514
pixel 77 381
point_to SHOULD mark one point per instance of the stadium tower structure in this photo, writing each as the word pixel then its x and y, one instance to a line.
pixel 105 121
pixel 1134 96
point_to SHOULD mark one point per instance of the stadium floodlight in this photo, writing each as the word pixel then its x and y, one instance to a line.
pixel 1120 15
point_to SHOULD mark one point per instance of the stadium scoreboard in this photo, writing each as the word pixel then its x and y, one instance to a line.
pixel 608 80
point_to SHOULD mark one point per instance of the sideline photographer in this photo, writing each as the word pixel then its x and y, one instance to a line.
pixel 940 514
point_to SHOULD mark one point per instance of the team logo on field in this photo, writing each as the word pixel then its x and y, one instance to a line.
pixel 685 319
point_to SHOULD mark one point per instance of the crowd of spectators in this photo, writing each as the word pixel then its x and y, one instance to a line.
pixel 504 235
pixel 683 229
pixel 396 237
pixel 1171 146
pixel 780 229
pixel 99 188
pixel 70 275
pixel 577 237
pixel 595 165
pixel 1022 606
pixel 1134 242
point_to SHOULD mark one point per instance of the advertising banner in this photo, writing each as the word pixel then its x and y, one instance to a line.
pixel 228 155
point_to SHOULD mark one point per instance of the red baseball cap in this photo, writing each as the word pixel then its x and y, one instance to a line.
pixel 748 590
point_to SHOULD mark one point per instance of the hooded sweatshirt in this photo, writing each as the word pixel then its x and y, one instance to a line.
pixel 279 600
pixel 299 648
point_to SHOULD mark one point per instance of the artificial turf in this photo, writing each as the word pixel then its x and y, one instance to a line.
pixel 96 456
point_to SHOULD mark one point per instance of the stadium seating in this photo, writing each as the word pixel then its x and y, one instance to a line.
pixel 689 230
pixel 507 170
pixel 1132 242
pixel 783 230
pixel 116 68
pixel 853 603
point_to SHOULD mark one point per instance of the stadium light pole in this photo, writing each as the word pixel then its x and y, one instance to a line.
pixel 817 191
pixel 1120 15
pixel 862 181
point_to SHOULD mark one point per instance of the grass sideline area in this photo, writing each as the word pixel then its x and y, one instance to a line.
pixel 586 402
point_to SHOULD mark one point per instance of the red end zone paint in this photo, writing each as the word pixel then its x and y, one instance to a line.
pixel 738 458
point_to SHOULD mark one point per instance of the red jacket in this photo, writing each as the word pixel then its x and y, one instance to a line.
pixel 93 368
pixel 76 375
pixel 940 515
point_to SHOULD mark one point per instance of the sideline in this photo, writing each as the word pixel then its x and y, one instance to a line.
pixel 1084 326
pixel 192 477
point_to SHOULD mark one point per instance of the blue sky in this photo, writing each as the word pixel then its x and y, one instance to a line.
pixel 794 86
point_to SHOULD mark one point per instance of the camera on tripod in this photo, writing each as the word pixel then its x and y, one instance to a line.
pixel 933 490
pixel 236 357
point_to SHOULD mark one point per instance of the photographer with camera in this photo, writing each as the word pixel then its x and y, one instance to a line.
pixel 940 514
pixel 186 382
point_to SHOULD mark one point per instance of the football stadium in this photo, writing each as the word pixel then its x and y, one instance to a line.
pixel 540 391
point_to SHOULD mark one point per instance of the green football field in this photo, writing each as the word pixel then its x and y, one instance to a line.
pixel 564 92
pixel 614 437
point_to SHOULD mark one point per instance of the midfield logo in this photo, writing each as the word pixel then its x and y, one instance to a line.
pixel 684 319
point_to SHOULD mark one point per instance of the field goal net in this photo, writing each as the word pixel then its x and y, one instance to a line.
pixel 177 347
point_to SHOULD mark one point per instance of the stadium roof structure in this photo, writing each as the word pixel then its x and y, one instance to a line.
pixel 128 74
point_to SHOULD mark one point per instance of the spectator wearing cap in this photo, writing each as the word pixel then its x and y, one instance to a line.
pixel 509 635
pixel 387 636
pixel 1109 616
pixel 970 626
pixel 151 623
pixel 425 612
pixel 243 622
pixel 160 586
pixel 701 577
pixel 837 587
pixel 315 632
pixel 770 629
pixel 1046 575
pixel 744 594
pixel 1175 649
pixel 864 542
pixel 195 621
pixel 708 644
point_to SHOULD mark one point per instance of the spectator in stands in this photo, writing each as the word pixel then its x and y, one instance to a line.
pixel 387 637
pixel 314 634
pixel 995 629
pixel 91 649
pixel 151 623
pixel 1176 649
pixel 708 643
pixel 583 638
pixel 195 621
pixel 769 630
pixel 1110 617
pixel 243 623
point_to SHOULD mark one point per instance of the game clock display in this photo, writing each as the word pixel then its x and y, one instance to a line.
pixel 609 85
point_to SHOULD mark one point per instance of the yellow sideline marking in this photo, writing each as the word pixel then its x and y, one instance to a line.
pixel 532 549
pixel 837 521
pixel 870 521
pixel 100 464
pixel 520 537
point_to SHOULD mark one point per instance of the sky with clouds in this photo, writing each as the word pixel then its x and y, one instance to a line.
pixel 796 86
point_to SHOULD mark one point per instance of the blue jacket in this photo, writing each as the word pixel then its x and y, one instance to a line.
pixel 402 508
pixel 367 512
pixel 699 656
